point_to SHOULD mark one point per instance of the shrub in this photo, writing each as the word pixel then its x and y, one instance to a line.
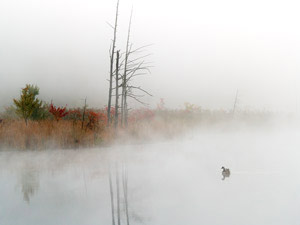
pixel 58 112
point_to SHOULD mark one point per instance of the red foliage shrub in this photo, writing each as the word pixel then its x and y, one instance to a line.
pixel 103 118
pixel 58 112
pixel 96 120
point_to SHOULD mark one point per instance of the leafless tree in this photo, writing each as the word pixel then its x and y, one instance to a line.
pixel 83 114
pixel 235 101
pixel 133 67
pixel 124 83
pixel 117 90
pixel 112 54
pixel 134 64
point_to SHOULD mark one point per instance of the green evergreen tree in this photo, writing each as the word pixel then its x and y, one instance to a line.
pixel 28 104
pixel 41 113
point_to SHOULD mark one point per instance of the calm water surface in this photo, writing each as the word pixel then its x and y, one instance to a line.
pixel 173 182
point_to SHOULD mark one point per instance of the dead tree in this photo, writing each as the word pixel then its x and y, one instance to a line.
pixel 83 114
pixel 124 83
pixel 235 101
pixel 117 90
pixel 112 53
pixel 134 68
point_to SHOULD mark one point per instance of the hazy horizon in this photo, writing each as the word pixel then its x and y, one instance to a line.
pixel 203 51
pixel 150 166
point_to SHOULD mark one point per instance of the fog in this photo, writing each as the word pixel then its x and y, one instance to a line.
pixel 203 50
pixel 169 182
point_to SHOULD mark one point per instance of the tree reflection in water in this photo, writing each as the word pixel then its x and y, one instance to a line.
pixel 29 183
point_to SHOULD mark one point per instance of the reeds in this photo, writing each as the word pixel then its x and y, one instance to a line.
pixel 47 134
pixel 143 125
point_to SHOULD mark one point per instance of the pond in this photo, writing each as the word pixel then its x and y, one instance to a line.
pixel 168 182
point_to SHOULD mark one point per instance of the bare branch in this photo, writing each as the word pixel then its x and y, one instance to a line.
pixel 141 89
pixel 142 47
pixel 137 96
pixel 110 25
pixel 141 57
pixel 136 99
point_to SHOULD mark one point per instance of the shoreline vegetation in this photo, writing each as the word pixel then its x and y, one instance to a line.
pixel 62 128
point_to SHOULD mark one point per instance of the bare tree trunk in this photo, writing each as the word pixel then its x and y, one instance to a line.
pixel 111 198
pixel 117 91
pixel 126 109
pixel 118 196
pixel 235 101
pixel 124 83
pixel 122 103
pixel 83 114
pixel 112 53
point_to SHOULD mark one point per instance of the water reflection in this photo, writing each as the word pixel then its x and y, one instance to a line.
pixel 29 183
pixel 162 183
pixel 116 204
pixel 225 172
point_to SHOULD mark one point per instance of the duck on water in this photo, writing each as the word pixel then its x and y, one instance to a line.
pixel 225 172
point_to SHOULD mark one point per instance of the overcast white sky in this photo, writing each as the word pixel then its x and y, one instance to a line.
pixel 203 50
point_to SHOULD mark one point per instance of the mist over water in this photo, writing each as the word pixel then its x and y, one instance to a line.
pixel 223 92
pixel 169 182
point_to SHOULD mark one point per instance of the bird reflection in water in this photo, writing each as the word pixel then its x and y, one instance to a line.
pixel 225 172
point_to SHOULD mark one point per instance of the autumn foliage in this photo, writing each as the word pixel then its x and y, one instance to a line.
pixel 58 112
pixel 96 120
pixel 87 127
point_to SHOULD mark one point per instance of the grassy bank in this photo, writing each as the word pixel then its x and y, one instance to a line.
pixel 143 125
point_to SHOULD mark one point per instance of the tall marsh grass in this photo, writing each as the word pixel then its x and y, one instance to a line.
pixel 144 124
